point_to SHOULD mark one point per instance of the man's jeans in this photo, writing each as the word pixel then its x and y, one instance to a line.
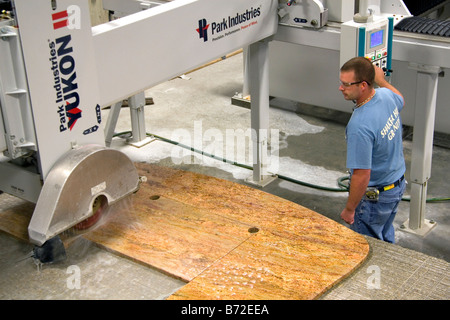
pixel 375 218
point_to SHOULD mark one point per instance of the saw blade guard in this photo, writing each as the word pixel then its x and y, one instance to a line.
pixel 79 178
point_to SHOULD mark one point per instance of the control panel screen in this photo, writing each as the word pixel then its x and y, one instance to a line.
pixel 376 38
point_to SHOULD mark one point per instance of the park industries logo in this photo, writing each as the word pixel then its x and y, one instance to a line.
pixel 226 23
pixel 203 29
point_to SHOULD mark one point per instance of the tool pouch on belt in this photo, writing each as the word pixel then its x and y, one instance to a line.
pixel 372 194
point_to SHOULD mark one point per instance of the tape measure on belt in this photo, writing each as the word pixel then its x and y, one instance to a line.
pixel 391 186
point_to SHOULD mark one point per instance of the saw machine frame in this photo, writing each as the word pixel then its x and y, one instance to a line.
pixel 56 75
pixel 57 72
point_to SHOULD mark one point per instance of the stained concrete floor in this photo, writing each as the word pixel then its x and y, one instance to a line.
pixel 196 110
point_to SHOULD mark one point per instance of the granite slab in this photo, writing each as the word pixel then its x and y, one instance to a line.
pixel 225 240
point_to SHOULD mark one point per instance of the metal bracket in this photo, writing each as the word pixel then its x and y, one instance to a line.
pixel 425 228
pixel 309 13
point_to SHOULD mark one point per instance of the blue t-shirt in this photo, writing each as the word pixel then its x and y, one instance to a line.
pixel 374 138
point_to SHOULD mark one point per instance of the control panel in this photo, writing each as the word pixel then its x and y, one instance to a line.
pixel 372 40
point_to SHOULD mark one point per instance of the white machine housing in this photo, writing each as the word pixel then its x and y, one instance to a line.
pixel 56 75
pixel 368 40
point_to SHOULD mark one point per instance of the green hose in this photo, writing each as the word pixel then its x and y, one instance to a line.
pixel 342 186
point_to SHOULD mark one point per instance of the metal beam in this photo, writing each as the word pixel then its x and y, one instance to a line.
pixel 259 92
pixel 424 118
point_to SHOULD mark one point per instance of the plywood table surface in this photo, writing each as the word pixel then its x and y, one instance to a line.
pixel 226 240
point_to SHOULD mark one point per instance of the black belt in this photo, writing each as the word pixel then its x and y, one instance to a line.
pixel 392 185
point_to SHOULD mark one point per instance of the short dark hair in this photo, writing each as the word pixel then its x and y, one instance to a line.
pixel 363 68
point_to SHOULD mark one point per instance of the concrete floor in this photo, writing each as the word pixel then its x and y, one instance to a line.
pixel 197 111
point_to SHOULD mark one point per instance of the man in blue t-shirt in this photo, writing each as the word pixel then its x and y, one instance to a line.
pixel 374 150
